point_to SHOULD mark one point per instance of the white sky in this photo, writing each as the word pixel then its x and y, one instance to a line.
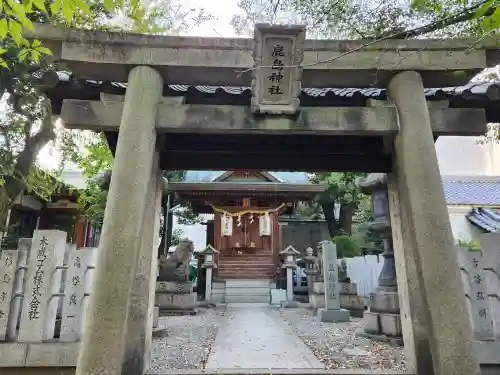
pixel 223 10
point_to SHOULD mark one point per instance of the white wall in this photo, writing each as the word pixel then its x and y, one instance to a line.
pixel 465 156
pixel 461 156
pixel 462 229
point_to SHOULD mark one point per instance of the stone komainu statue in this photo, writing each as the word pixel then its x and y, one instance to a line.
pixel 176 266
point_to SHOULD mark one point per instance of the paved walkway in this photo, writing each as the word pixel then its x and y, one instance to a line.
pixel 256 337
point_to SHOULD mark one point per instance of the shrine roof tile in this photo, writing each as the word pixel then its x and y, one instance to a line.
pixel 473 90
pixel 284 177
pixel 479 90
pixel 480 190
pixel 485 219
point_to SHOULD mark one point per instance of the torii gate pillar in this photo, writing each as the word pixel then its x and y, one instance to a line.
pixel 433 308
pixel 103 345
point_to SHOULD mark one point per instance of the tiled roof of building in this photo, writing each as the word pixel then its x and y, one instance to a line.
pixel 485 219
pixel 480 190
pixel 473 90
pixel 492 89
pixel 209 176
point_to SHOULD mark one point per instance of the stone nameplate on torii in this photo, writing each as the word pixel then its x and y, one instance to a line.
pixel 276 75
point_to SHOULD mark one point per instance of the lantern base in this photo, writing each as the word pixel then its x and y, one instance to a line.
pixel 334 316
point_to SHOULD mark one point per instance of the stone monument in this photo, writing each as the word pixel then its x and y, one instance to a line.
pixel 383 321
pixel 174 291
pixel 332 311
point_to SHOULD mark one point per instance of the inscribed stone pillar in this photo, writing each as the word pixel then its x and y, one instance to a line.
pixel 103 344
pixel 24 248
pixel 472 266
pixel 427 232
pixel 8 268
pixel 38 316
pixel 140 320
pixel 73 306
pixel 332 311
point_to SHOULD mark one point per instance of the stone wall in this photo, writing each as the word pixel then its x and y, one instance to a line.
pixel 302 233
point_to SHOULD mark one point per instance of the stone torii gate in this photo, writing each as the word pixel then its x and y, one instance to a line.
pixel 272 131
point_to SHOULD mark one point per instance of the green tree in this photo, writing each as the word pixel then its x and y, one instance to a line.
pixel 346 247
pixel 26 126
pixel 340 200
pixel 368 19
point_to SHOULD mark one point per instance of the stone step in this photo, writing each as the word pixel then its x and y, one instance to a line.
pixel 240 258
pixel 243 261
pixel 247 291
pixel 248 298
pixel 245 265
pixel 235 283
pixel 245 255
pixel 247 269
pixel 248 277
pixel 253 371
pixel 245 277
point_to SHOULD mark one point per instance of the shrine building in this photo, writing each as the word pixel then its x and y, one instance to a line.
pixel 246 206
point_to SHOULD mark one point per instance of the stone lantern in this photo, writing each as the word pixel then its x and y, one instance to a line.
pixel 289 262
pixel 383 321
pixel 208 253
pixel 311 270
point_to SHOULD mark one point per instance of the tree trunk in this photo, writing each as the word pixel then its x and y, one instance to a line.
pixel 345 218
pixel 328 211
pixel 5 203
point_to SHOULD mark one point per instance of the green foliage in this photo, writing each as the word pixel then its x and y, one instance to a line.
pixel 341 187
pixel 346 247
pixel 18 16
pixel 368 19
pixel 470 244
pixel 480 17
pixel 340 197
pixel 176 237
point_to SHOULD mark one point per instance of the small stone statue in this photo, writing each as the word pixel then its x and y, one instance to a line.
pixel 176 267
pixel 343 272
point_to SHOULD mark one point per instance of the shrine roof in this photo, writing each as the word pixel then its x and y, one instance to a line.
pixel 485 219
pixel 478 94
pixel 472 190
pixel 476 90
pixel 210 176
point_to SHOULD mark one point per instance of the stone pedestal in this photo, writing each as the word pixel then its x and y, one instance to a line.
pixel 175 297
pixel 278 296
pixel 350 300
pixel 317 298
pixel 333 316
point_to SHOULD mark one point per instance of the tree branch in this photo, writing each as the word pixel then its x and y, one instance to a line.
pixel 465 15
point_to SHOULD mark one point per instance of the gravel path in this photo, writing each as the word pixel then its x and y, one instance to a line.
pixel 183 342
pixel 337 346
